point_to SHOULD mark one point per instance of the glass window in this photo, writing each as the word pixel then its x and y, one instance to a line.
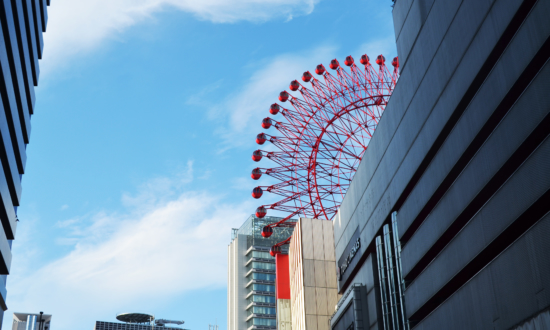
pixel 261 276
pixel 260 254
pixel 262 310
pixel 261 299
pixel 258 321
pixel 263 287
pixel 261 265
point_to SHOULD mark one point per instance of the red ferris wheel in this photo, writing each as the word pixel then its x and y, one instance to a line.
pixel 322 137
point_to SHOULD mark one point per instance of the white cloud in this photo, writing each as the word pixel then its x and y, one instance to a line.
pixel 250 104
pixel 116 254
pixel 76 27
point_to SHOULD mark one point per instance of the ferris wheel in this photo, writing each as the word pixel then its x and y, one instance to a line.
pixel 321 138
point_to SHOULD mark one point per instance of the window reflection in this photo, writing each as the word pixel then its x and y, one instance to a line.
pixel 258 321
pixel 261 265
pixel 261 299
pixel 263 287
pixel 262 276
pixel 261 254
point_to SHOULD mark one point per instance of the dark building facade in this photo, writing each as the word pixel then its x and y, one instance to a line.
pixel 446 224
pixel 21 46
pixel 101 325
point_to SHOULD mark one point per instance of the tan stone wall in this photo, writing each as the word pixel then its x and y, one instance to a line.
pixel 313 286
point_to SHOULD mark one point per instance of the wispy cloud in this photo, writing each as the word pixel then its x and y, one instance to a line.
pixel 250 104
pixel 76 27
pixel 115 253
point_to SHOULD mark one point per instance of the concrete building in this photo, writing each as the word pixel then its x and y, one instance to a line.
pixel 313 285
pixel 446 224
pixel 251 299
pixel 21 45
pixel 30 321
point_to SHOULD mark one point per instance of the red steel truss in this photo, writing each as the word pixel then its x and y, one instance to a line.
pixel 322 137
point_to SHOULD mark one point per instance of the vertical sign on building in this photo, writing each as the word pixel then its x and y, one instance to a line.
pixel 282 292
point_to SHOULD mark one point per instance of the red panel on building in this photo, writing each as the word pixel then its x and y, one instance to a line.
pixel 282 279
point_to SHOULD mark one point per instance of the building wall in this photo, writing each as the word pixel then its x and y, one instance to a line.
pixel 251 276
pixel 100 325
pixel 313 291
pixel 462 155
pixel 21 45
pixel 284 314
pixel 236 295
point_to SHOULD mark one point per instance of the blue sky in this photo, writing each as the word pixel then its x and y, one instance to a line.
pixel 139 160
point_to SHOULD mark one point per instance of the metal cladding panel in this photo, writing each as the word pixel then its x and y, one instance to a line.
pixel 390 160
pixel 8 159
pixel 322 322
pixel 328 237
pixel 400 12
pixel 524 188
pixel 44 14
pixel 7 211
pixel 491 29
pixel 318 241
pixel 332 299
pixel 307 238
pixel 416 18
pixel 524 45
pixel 309 272
pixel 12 47
pixel 37 26
pixel 11 108
pixel 320 273
pixel 514 287
pixel 21 32
pixel 309 300
pixel 282 279
pixel 311 322
pixel 321 300
pixel 31 39
pixel 330 274
pixel 5 252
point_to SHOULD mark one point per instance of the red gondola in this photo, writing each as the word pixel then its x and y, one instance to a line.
pixel 274 109
pixel 283 96
pixel 261 138
pixel 261 212
pixel 257 192
pixel 256 173
pixel 267 231
pixel 307 76
pixel 257 155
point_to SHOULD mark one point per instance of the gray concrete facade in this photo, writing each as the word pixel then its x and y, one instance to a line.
pixel 462 155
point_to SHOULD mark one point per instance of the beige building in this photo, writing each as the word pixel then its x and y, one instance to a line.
pixel 313 284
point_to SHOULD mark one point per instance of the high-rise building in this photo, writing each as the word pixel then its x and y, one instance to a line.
pixel 446 224
pixel 21 44
pixel 31 321
pixel 251 299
